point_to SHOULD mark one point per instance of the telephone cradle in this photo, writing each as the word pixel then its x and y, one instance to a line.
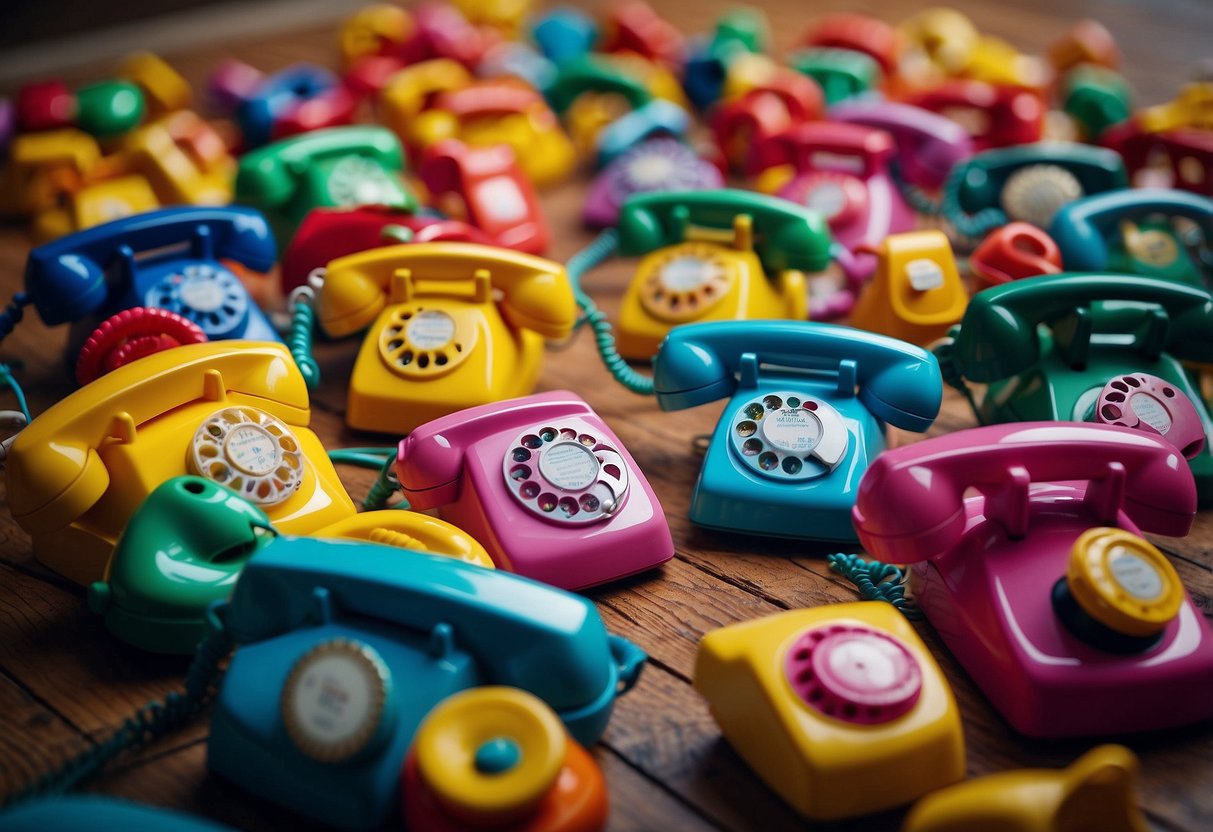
pixel 544 484
pixel 1041 584
pixel 343 649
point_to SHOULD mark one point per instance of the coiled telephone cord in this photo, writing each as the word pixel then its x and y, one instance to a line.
pixel 299 339
pixel 385 485
pixel 876 581
pixel 13 313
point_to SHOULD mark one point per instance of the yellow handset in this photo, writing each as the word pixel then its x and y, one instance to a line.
pixel 232 411
pixel 452 325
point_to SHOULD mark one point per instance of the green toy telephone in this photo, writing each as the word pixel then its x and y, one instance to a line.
pixel 1089 347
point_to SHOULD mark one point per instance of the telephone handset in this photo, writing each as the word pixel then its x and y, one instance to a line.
pixel 994 115
pixel 171 259
pixel 233 412
pixel 1041 584
pixel 1131 231
pixel 1049 346
pixel 714 255
pixel 344 649
pixel 338 166
pixel 807 407
pixel 439 339
pixel 544 484
pixel 1029 183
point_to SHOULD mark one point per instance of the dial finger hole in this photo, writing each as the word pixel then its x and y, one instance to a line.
pixel 768 461
pixel 531 441
pixel 520 472
pixel 590 503
pixel 1120 385
pixel 611 470
pixel 548 434
pixel 568 434
pixel 521 454
pixel 1110 411
pixel 1115 397
pixel 568 506
pixel 747 428
pixel 792 465
pixel 530 490
pixel 1168 392
pixel 751 447
pixel 1132 382
pixel 793 401
pixel 547 501
pixel 754 411
pixel 772 402
pixel 587 440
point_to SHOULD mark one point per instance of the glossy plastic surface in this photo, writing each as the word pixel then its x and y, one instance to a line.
pixel 848 383
pixel 658 164
pixel 455 464
pixel 1013 252
pixel 824 765
pixel 79 813
pixel 995 115
pixel 81 469
pixel 928 145
pixel 991 561
pixel 430 626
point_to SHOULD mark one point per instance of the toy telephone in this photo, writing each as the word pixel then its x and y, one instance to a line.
pixel 439 341
pixel 806 413
pixel 928 145
pixel 1050 346
pixel 860 33
pixel 590 93
pixel 1097 790
pixel 235 412
pixel 656 164
pixel 995 115
pixel 344 649
pixel 1130 231
pixel 338 166
pixel 93 200
pixel 186 544
pixel 1041 585
pixel 842 74
pixel 486 187
pixel 169 259
pixel 1182 157
pixel 1013 252
pixel 916 293
pixel 544 484
pixel 714 255
pixel 183 159
pixel 1029 183
pixel 741 124
pixel 37 162
pixel 822 703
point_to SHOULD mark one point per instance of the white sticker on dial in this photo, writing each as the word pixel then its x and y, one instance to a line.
pixel 1151 411
pixel 792 430
pixel 333 700
pixel 686 274
pixel 570 466
pixel 430 330
pixel 252 449
pixel 1136 575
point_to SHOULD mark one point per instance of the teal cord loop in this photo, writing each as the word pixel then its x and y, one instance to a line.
pixel 299 340
pixel 915 197
pixel 876 581
pixel 944 350
pixel 148 723
pixel 8 380
pixel 973 226
pixel 385 486
pixel 597 252
pixel 13 313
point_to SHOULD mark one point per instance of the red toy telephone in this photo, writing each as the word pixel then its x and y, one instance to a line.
pixel 994 115
pixel 785 99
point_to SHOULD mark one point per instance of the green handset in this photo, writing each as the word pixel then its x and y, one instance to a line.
pixel 341 166
pixel 1026 182
pixel 1054 347
pixel 595 74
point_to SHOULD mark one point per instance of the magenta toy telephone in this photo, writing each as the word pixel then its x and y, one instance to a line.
pixel 544 485
pixel 1029 560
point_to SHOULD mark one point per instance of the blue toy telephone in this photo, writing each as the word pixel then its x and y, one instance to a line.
pixel 343 648
pixel 170 259
pixel 1131 231
pixel 806 413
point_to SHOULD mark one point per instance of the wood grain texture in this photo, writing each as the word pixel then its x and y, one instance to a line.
pixel 64 681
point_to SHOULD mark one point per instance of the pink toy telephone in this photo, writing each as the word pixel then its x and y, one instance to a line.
pixel 544 485
pixel 1042 585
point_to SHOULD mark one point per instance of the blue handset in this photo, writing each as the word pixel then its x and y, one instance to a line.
pixel 565 34
pixel 345 647
pixel 806 414
pixel 1101 232
pixel 74 813
pixel 276 95
pixel 167 258
pixel 656 118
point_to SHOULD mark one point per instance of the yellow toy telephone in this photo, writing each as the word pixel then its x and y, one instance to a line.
pixel 440 340
pixel 916 293
pixel 235 412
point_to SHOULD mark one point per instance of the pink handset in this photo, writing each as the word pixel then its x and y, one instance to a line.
pixel 928 145
pixel 544 485
pixel 1042 585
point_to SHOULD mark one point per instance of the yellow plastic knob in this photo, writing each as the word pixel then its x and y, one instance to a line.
pixel 1123 582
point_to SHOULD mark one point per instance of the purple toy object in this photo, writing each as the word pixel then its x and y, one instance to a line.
pixel 659 164
pixel 1041 585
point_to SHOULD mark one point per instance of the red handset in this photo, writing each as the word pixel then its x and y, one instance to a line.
pixel 994 115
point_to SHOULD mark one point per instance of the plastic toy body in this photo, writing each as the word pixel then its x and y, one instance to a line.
pixel 822 703
pixel 1117 231
pixel 485 187
pixel 342 166
pixel 806 413
pixel 183 159
pixel 1048 347
pixel 995 115
pixel 916 293
pixel 80 814
pixel 544 484
pixel 96 272
pixel 661 164
pixel 1097 789
pixel 1013 252
pixel 1042 586
pixel 554 785
pixel 439 339
pixel 340 659
pixel 235 412
pixel 716 255
pixel 90 204
pixel 185 546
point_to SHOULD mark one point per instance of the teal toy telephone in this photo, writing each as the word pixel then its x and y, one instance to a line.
pixel 343 649
pixel 340 166
pixel 807 407
pixel 1026 182
pixel 1132 231
pixel 1061 347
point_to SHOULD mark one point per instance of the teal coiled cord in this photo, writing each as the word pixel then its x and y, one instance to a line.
pixel 8 380
pixel 915 197
pixel 150 722
pixel 299 339
pixel 595 254
pixel 876 581
pixel 385 484
pixel 973 226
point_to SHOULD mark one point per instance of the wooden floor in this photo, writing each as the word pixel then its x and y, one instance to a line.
pixel 64 682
